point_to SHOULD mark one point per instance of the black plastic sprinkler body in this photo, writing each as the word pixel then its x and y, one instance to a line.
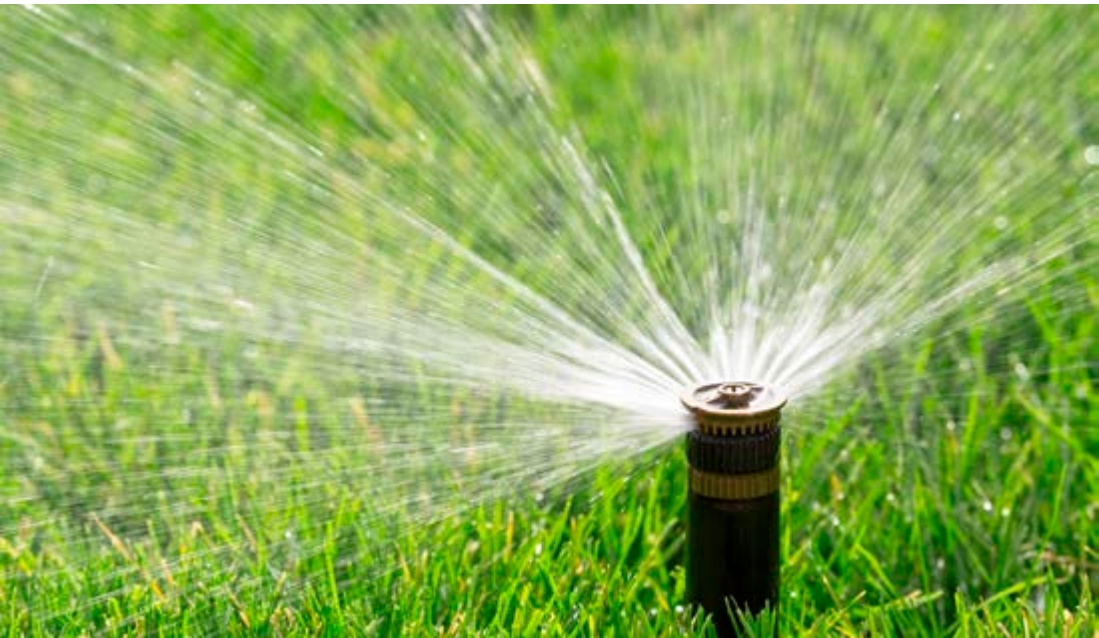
pixel 733 517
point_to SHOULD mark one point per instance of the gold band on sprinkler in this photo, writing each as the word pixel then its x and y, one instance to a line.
pixel 734 487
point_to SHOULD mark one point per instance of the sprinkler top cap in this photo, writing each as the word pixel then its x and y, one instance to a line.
pixel 734 407
pixel 733 399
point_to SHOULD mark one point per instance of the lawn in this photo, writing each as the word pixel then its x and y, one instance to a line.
pixel 220 227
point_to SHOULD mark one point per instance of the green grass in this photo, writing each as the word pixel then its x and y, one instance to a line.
pixel 961 531
pixel 945 487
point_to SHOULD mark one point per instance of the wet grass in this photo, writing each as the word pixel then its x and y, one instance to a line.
pixel 962 504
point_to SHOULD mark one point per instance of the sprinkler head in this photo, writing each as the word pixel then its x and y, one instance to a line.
pixel 733 526
pixel 734 408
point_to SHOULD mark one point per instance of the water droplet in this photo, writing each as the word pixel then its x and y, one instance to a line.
pixel 1091 155
pixel 957 116
pixel 987 506
pixel 244 304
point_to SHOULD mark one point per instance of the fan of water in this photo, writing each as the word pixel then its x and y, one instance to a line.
pixel 381 266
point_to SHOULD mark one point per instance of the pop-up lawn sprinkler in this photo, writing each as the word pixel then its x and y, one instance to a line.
pixel 733 520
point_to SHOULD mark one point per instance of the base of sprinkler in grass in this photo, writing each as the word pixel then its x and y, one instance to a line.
pixel 733 518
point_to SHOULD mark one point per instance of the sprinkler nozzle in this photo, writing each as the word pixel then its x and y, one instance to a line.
pixel 733 526
pixel 735 395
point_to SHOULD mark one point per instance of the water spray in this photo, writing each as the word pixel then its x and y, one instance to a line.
pixel 733 518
